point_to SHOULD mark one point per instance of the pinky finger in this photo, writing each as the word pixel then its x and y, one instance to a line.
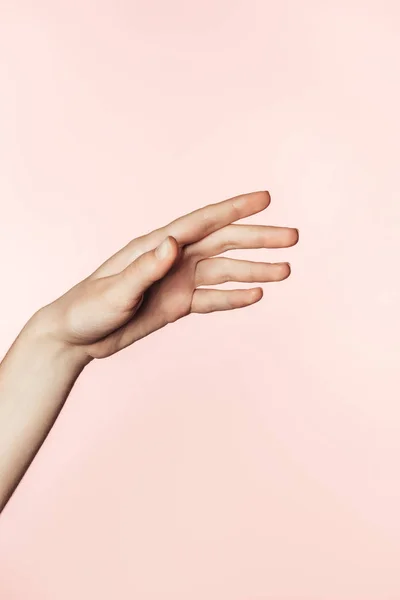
pixel 206 301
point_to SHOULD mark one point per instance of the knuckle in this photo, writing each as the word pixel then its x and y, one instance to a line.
pixel 226 275
pixel 229 241
pixel 235 210
pixel 250 272
pixel 143 265
pixel 231 301
pixel 210 221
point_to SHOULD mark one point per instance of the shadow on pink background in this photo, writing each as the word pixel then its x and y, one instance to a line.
pixel 237 456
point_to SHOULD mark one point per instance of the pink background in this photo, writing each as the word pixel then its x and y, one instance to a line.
pixel 236 456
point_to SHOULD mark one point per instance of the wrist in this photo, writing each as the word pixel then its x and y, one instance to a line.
pixel 40 330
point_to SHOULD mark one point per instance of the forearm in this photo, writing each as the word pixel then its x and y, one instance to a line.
pixel 36 376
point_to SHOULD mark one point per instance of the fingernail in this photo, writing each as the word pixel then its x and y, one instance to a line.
pixel 285 264
pixel 162 249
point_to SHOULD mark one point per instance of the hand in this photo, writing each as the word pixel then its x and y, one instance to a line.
pixel 154 279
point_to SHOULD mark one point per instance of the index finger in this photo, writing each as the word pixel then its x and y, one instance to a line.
pixel 188 229
pixel 198 224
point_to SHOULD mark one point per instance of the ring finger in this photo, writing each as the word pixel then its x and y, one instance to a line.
pixel 213 271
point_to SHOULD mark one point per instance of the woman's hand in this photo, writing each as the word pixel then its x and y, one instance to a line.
pixel 155 279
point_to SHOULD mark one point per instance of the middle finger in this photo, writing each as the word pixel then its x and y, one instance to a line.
pixel 233 237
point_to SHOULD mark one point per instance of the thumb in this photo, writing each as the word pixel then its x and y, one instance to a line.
pixel 130 285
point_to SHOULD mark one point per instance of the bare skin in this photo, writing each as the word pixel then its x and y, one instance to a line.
pixel 151 282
